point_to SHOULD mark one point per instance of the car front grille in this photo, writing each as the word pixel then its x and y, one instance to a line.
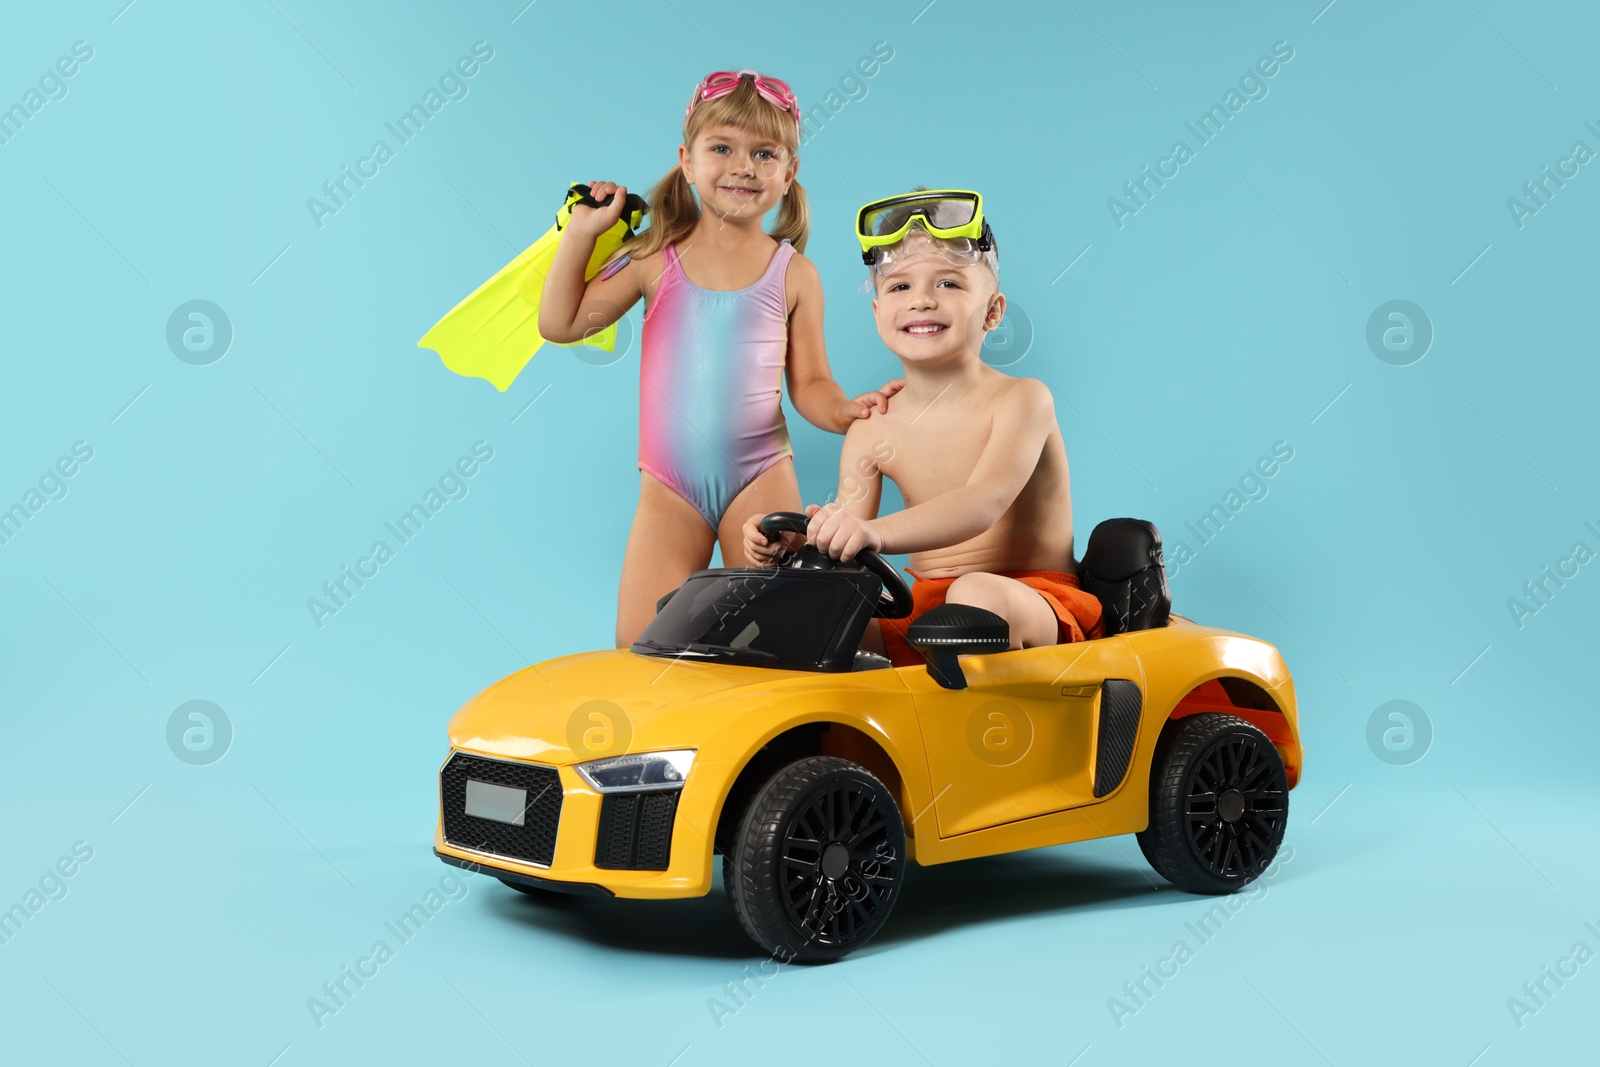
pixel 636 830
pixel 534 841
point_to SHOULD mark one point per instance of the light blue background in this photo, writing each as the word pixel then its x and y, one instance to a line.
pixel 1227 315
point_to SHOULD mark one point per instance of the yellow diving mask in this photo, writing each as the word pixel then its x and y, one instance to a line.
pixel 951 219
pixel 943 213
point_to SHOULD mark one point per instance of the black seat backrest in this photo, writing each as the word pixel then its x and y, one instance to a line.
pixel 1123 568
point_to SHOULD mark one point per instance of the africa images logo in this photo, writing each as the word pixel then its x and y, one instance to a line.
pixel 452 85
pixel 452 485
pixel 1206 128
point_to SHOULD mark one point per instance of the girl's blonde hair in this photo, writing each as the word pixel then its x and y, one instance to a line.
pixel 673 212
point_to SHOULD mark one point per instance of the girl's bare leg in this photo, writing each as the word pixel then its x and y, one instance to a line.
pixel 774 489
pixel 669 541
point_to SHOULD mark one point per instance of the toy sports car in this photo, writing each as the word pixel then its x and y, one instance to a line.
pixel 747 722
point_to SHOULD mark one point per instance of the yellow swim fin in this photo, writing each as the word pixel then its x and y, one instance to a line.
pixel 494 332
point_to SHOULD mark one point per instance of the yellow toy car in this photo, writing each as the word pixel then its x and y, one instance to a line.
pixel 747 722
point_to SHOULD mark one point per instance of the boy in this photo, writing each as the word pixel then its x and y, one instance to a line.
pixel 976 454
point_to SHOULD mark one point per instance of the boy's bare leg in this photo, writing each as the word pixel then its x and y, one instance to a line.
pixel 774 489
pixel 669 541
pixel 1033 622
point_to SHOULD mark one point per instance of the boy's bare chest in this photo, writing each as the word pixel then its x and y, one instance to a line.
pixel 929 455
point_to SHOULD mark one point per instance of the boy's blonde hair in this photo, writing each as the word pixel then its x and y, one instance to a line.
pixel 673 211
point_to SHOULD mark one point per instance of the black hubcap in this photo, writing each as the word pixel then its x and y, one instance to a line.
pixel 835 861
pixel 839 864
pixel 1236 806
pixel 1230 805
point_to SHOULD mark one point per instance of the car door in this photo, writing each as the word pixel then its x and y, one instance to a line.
pixel 1017 742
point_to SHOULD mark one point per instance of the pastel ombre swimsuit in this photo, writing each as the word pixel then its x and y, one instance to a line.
pixel 710 404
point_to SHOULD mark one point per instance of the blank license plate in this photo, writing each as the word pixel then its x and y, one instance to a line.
pixel 498 802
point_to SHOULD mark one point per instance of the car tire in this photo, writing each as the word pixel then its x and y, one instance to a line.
pixel 1219 801
pixel 818 860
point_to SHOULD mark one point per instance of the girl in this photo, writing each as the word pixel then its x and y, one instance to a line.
pixel 729 309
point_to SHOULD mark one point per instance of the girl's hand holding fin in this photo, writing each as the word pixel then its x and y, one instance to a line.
pixel 593 221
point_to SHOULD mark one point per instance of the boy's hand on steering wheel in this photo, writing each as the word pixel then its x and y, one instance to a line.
pixel 840 533
pixel 761 552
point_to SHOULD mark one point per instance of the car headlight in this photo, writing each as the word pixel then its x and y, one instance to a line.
pixel 644 770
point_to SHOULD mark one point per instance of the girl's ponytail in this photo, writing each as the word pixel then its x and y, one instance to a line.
pixel 794 217
pixel 673 213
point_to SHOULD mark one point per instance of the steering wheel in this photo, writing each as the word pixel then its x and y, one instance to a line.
pixel 894 602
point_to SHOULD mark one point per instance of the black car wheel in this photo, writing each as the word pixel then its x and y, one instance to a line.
pixel 818 860
pixel 1219 801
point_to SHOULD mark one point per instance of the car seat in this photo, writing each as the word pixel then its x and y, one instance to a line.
pixel 1124 570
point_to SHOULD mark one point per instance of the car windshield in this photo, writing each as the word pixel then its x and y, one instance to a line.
pixel 777 618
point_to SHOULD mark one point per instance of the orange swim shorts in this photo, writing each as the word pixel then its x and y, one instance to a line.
pixel 1077 612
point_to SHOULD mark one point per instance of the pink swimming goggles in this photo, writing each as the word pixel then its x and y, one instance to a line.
pixel 722 82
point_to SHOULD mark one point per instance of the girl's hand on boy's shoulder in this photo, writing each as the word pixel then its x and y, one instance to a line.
pixel 863 406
